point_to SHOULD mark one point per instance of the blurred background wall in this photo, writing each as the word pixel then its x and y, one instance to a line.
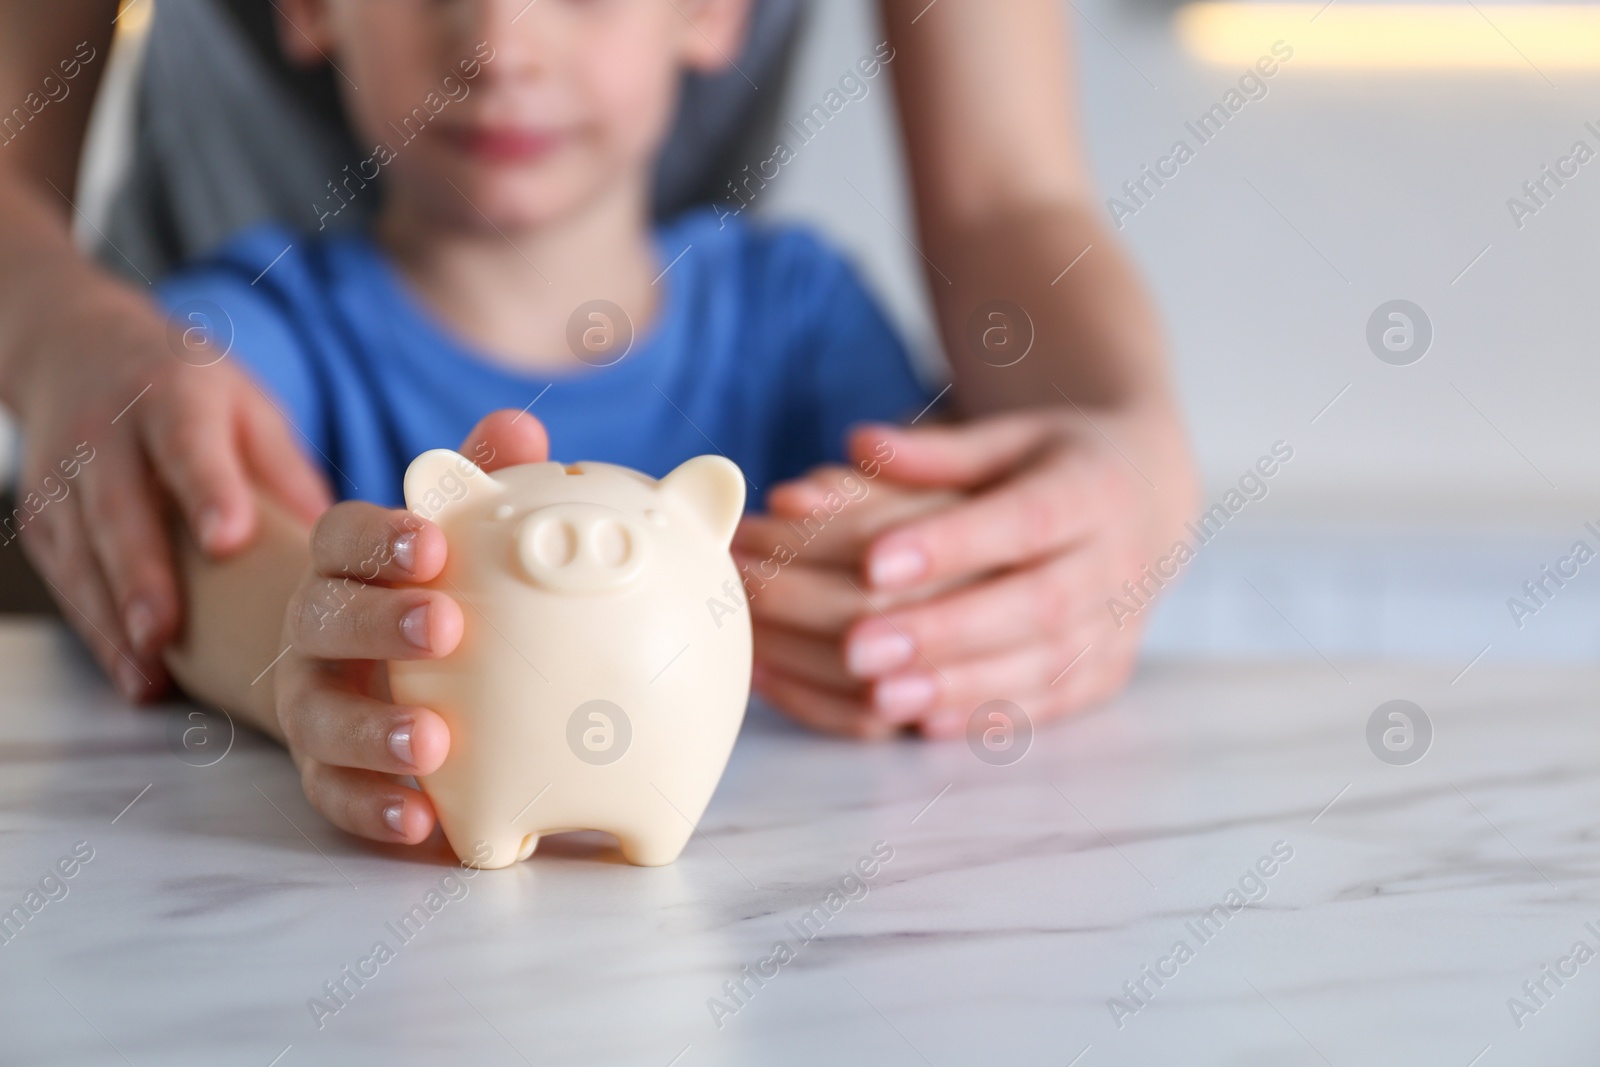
pixel 1419 502
pixel 1375 164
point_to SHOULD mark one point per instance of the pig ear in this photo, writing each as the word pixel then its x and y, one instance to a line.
pixel 713 487
pixel 440 480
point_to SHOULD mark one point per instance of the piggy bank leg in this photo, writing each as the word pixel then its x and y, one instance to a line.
pixel 492 854
pixel 654 845
pixel 486 845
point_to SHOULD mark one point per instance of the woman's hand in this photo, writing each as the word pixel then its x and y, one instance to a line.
pixel 999 592
pixel 126 419
pixel 354 611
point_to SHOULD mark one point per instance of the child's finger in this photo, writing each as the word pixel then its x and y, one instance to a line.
pixel 1044 509
pixel 819 600
pixel 366 803
pixel 372 544
pixel 506 438
pixel 341 619
pixel 804 656
pixel 821 709
pixel 342 728
pixel 834 512
pixel 816 599
pixel 800 495
pixel 770 537
pixel 960 456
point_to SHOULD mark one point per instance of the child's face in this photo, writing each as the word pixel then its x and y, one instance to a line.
pixel 515 112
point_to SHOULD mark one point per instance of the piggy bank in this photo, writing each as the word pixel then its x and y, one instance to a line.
pixel 604 668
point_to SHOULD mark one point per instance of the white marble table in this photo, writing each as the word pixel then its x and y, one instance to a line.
pixel 1019 899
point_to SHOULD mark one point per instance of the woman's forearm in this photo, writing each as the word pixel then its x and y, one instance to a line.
pixel 234 614
pixel 51 59
pixel 1018 256
pixel 1047 280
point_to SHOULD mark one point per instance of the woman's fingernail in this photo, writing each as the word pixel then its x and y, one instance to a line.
pixel 877 653
pixel 405 551
pixel 905 695
pixel 400 744
pixel 141 623
pixel 897 567
pixel 414 627
pixel 394 817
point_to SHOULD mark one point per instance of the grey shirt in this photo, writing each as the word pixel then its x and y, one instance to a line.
pixel 229 134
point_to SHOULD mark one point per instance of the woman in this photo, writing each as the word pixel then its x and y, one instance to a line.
pixel 1070 470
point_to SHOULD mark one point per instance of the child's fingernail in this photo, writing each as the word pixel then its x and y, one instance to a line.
pixel 897 567
pixel 141 623
pixel 208 527
pixel 876 653
pixel 414 627
pixel 394 817
pixel 874 435
pixel 796 498
pixel 405 551
pixel 905 695
pixel 759 676
pixel 938 727
pixel 400 744
pixel 129 681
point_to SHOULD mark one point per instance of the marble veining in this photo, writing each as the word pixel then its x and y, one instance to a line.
pixel 1020 906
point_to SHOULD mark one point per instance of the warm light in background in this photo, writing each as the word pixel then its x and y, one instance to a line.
pixel 1541 37
pixel 133 16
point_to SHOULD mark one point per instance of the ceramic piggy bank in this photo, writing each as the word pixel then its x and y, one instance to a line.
pixel 605 664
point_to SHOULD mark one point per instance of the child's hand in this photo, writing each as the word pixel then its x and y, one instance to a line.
pixel 802 570
pixel 352 745
pixel 1000 593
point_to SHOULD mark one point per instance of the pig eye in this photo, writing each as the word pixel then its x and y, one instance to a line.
pixel 504 511
pixel 555 543
pixel 611 543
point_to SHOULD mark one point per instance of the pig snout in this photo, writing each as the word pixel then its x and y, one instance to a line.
pixel 581 547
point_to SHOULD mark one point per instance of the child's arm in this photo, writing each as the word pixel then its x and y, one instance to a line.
pixel 234 613
pixel 284 636
pixel 293 635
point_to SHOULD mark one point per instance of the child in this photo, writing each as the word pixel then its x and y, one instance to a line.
pixel 512 266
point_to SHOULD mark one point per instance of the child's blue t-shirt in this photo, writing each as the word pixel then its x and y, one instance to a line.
pixel 766 347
